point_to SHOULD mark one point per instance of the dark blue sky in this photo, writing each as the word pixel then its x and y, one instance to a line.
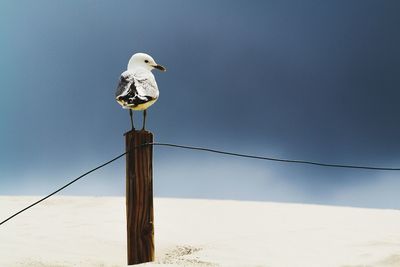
pixel 296 79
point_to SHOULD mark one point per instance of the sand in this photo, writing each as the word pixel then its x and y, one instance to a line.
pixel 90 231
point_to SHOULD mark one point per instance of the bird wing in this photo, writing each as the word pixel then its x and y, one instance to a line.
pixel 136 88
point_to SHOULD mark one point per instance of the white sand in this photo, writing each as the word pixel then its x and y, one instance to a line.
pixel 89 231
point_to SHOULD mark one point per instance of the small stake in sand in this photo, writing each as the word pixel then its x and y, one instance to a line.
pixel 139 197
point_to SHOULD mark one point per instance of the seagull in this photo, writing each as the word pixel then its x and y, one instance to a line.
pixel 137 88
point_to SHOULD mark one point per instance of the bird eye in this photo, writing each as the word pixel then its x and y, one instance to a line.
pixel 146 61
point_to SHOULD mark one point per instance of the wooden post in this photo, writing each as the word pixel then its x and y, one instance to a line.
pixel 139 197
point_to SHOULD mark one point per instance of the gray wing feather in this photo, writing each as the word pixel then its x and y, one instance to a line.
pixel 134 89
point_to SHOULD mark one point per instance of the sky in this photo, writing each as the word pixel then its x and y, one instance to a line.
pixel 305 80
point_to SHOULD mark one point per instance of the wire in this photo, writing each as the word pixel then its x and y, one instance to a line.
pixel 277 159
pixel 207 150
pixel 63 187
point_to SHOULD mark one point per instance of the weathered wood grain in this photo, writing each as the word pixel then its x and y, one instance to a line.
pixel 139 197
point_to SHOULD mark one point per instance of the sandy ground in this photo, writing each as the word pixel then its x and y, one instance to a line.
pixel 90 231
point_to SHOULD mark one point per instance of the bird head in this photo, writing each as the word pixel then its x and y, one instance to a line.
pixel 145 61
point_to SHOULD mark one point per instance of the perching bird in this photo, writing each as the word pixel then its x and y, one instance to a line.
pixel 137 88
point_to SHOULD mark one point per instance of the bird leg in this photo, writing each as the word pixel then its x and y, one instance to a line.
pixel 131 114
pixel 144 119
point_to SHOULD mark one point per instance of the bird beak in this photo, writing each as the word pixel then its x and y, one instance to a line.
pixel 159 67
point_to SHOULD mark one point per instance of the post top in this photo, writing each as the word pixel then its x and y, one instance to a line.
pixel 136 132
